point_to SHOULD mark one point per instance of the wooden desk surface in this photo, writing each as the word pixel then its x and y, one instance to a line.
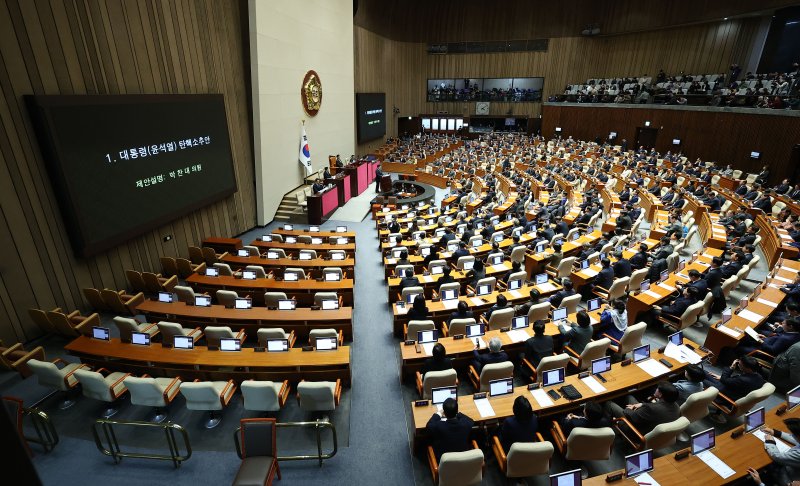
pixel 241 262
pixel 268 284
pixel 305 232
pixel 200 363
pixel 620 380
pixel 218 313
pixel 349 247
pixel 665 473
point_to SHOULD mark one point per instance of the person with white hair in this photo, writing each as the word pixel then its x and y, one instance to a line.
pixel 495 355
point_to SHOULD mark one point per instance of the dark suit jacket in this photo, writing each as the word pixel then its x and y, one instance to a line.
pixel 513 431
pixel 578 337
pixel 678 307
pixel 649 415
pixel 450 435
pixel 622 268
pixel 482 360
pixel 537 348
pixel 779 342
pixel 736 385
pixel 556 298
pixel 409 282
pixel 432 364
pixel 730 269
pixel 713 277
pixel 457 315
pixel 605 278
pixel 639 260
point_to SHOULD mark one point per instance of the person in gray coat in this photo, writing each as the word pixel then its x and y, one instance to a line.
pixel 785 373
pixel 577 336
pixel 786 464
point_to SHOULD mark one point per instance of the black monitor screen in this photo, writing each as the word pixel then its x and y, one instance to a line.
pixel 371 115
pixel 122 165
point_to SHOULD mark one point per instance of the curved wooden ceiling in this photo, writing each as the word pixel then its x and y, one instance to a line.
pixel 473 20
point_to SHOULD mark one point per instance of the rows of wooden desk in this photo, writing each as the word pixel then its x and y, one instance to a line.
pixel 302 290
pixel 200 363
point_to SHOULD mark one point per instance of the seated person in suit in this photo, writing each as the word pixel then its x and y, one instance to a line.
pixel 501 303
pixel 477 272
pixel 538 346
pixel 409 280
pixel 785 468
pixel 451 434
pixel 419 310
pixel 520 427
pixel 555 299
pixel 555 257
pixel 622 267
pixel 317 187
pixel 592 417
pixel 446 276
pixel 696 281
pixel 403 260
pixel 678 306
pixel 522 309
pixel 462 250
pixel 692 382
pixel 495 355
pixel 772 340
pixel 515 267
pixel 661 408
pixel 461 312
pixel 577 336
pixel 438 360
pixel 639 260
pixel 605 277
pixel 732 268
pixel 614 321
pixel 736 381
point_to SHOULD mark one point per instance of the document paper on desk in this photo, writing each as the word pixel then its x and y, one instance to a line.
pixel 592 383
pixel 782 279
pixel 428 348
pixel 476 300
pixel 450 304
pixel 646 479
pixel 652 294
pixel 790 269
pixel 752 333
pixel 766 302
pixel 716 464
pixel 729 331
pixel 546 287
pixel 518 335
pixel 499 268
pixel 782 447
pixel 484 408
pixel 590 272
pixel 667 287
pixel 653 367
pixel 681 353
pixel 541 397
pixel 750 315
pixel 401 310
pixel 426 279
pixel 515 293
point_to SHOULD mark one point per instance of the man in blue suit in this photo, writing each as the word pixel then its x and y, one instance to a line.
pixel 772 342
pixel 451 433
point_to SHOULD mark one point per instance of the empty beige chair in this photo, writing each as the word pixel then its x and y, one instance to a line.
pixel 524 459
pixel 16 357
pixel 584 444
pixel 539 312
pixel 305 239
pixel 413 327
pixel 95 299
pixel 636 279
pixel 332 271
pixel 128 325
pixel 61 378
pixel 546 364
pixel 277 237
pixel 499 319
pixel 571 303
pixel 458 326
pixel 688 318
pixel 135 280
pixel 308 254
pixel 490 281
pixel 324 333
pixel 663 435
pixel 273 253
pixel 264 396
pixel 616 291
pixel 224 269
pixel 39 317
pixel 196 255
pixel 153 392
pixel 518 254
pixel 103 385
pixel 154 283
pixel 696 406
pixel 171 329
pixel 120 302
pixel 631 338
pixel 341 254
pixel 271 298
pixel 209 255
pixel 227 298
pixel 593 350
pixel 320 396
pixel 187 268
pixel 185 294
pixel 257 269
pixel 434 379
pixel 463 261
pixel 436 264
pixel 73 324
pixel 737 408
pixel 253 250
pixel 410 291
pixel 563 270
pixel 266 333
pixel 301 274
pixel 401 270
pixel 457 468
pixel 493 371
pixel 215 333
pixel 211 396
pixel 320 296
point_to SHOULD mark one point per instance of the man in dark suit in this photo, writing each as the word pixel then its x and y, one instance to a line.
pixel 732 268
pixel 538 346
pixel 639 260
pixel 661 408
pixel 577 336
pixel 622 267
pixel 605 277
pixel 736 381
pixel 378 176
pixel 462 250
pixel 495 354
pixel 446 238
pixel 562 227
pixel 409 280
pixel 555 299
pixel 772 342
pixel 679 305
pixel 714 275
pixel 451 434
pixel 696 281
pixel 764 203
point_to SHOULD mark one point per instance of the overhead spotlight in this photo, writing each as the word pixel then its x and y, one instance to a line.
pixel 726 18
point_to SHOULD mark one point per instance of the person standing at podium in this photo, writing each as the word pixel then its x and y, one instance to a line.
pixel 378 176
pixel 326 175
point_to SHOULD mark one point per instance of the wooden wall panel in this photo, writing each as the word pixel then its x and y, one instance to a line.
pixel 107 47
pixel 723 137
pixel 401 69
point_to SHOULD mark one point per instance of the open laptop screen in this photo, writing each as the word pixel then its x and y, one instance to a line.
pixel 503 386
pixel 639 463
pixel 641 353
pixel 703 441
pixel 754 419
pixel 102 333
pixel 277 345
pixel 183 342
pixel 553 377
pixel 230 344
pixel 440 394
pixel 601 365
pixel 140 338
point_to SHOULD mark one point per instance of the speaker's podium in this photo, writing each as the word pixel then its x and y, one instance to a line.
pixel 386 184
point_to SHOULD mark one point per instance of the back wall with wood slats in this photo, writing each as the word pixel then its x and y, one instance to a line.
pixel 107 47
pixel 401 69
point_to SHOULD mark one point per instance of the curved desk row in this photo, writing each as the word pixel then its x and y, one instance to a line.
pixel 302 290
